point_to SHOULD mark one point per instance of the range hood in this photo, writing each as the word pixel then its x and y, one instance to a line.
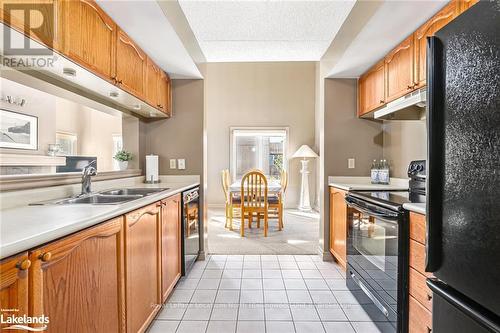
pixel 409 107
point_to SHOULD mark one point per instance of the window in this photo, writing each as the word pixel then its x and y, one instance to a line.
pixel 261 148
pixel 67 142
pixel 117 146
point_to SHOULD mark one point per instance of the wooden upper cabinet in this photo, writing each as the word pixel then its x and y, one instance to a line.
pixel 466 4
pixel 165 93
pixel 399 70
pixel 78 282
pixel 442 18
pixel 153 77
pixel 143 266
pixel 14 285
pixel 338 226
pixel 170 244
pixel 44 24
pixel 131 64
pixel 89 37
pixel 371 89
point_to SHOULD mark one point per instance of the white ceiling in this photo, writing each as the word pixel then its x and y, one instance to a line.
pixel 392 23
pixel 145 22
pixel 246 31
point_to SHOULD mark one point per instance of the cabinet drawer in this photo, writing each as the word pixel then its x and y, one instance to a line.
pixel 419 289
pixel 417 257
pixel 417 227
pixel 420 320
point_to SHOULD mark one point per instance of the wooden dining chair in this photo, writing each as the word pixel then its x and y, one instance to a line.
pixel 276 201
pixel 254 200
pixel 232 203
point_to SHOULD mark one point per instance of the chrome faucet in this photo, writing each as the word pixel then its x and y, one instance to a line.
pixel 88 171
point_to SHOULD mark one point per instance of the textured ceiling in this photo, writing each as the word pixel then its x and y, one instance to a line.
pixel 244 31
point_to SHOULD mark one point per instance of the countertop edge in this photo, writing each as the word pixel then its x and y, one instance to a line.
pixel 415 207
pixel 369 187
pixel 38 240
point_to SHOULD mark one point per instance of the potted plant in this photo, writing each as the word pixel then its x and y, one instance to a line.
pixel 123 157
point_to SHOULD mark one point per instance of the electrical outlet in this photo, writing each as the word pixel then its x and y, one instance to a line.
pixel 173 163
pixel 351 163
pixel 182 163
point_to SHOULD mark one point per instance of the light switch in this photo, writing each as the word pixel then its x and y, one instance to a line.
pixel 173 163
pixel 350 163
pixel 182 163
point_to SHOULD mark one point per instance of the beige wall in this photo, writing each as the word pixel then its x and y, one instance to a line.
pixel 347 136
pixel 344 136
pixel 182 135
pixel 404 141
pixel 279 94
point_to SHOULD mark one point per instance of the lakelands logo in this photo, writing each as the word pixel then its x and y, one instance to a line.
pixel 23 322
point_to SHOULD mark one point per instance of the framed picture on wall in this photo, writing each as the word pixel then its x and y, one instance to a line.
pixel 18 131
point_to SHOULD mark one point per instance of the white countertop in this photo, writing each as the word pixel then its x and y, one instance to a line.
pixel 25 227
pixel 364 184
pixel 415 207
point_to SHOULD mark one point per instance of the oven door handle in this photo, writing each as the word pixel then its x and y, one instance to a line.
pixel 384 214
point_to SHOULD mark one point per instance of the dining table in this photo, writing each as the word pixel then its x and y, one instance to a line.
pixel 272 187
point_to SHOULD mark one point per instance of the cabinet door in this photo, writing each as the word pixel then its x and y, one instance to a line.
pixel 14 286
pixel 466 4
pixel 44 19
pixel 78 282
pixel 399 70
pixel 131 63
pixel 170 244
pixel 165 92
pixel 142 266
pixel 153 77
pixel 90 37
pixel 442 18
pixel 371 89
pixel 338 225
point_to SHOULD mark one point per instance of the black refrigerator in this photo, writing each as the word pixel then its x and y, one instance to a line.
pixel 463 200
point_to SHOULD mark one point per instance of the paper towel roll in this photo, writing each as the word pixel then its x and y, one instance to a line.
pixel 151 168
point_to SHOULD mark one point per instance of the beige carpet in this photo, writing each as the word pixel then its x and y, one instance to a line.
pixel 299 236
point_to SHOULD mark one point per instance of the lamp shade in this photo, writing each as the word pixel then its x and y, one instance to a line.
pixel 305 152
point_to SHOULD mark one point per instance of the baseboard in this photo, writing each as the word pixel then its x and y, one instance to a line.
pixel 325 256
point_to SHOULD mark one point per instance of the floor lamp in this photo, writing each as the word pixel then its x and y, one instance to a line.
pixel 305 152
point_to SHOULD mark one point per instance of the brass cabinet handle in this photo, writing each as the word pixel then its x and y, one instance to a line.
pixel 429 297
pixel 24 265
pixel 409 87
pixel 382 101
pixel 45 256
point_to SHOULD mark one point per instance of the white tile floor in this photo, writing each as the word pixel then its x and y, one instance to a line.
pixel 265 293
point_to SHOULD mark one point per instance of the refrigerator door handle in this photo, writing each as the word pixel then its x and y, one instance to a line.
pixel 435 152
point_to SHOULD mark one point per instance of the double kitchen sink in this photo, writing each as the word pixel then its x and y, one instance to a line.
pixel 109 197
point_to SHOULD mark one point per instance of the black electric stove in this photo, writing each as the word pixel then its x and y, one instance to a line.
pixel 377 248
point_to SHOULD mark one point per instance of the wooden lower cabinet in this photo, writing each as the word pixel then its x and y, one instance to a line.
pixel 109 278
pixel 170 244
pixel 420 304
pixel 14 286
pixel 338 225
pixel 420 319
pixel 78 281
pixel 142 266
